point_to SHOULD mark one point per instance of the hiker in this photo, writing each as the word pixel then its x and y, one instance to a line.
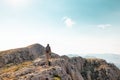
pixel 48 54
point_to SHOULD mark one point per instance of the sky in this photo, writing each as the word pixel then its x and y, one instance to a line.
pixel 69 26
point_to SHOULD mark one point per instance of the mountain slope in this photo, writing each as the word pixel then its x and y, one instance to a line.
pixel 21 54
pixel 28 63
pixel 111 58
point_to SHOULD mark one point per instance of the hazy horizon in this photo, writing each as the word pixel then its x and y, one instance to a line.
pixel 69 26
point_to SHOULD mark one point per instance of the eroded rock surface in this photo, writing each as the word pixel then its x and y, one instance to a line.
pixel 29 64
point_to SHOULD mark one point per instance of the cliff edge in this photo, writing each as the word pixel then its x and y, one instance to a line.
pixel 28 63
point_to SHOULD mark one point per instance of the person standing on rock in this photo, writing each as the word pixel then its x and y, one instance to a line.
pixel 48 54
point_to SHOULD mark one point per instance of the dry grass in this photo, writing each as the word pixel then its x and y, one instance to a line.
pixel 13 68
pixel 93 59
pixel 10 69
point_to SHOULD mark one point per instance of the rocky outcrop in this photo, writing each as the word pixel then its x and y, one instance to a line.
pixel 99 69
pixel 21 54
pixel 29 64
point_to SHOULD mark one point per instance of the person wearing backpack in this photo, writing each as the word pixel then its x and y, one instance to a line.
pixel 48 54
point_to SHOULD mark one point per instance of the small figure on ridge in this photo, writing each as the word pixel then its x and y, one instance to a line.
pixel 48 54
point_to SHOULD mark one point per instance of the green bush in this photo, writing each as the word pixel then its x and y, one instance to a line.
pixel 57 78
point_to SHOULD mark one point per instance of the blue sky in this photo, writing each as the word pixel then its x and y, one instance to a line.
pixel 69 26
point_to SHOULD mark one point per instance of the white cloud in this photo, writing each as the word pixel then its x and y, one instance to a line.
pixel 68 21
pixel 104 26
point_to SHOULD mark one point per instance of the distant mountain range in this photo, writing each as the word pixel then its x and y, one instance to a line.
pixel 111 58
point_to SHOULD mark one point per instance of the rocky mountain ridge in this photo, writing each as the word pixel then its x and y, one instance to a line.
pixel 109 57
pixel 28 63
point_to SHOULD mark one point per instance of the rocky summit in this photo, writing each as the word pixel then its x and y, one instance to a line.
pixel 28 63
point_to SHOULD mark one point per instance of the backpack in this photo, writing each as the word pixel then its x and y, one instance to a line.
pixel 48 49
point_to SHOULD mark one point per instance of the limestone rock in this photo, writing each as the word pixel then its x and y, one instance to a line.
pixel 99 69
pixel 21 54
pixel 28 63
